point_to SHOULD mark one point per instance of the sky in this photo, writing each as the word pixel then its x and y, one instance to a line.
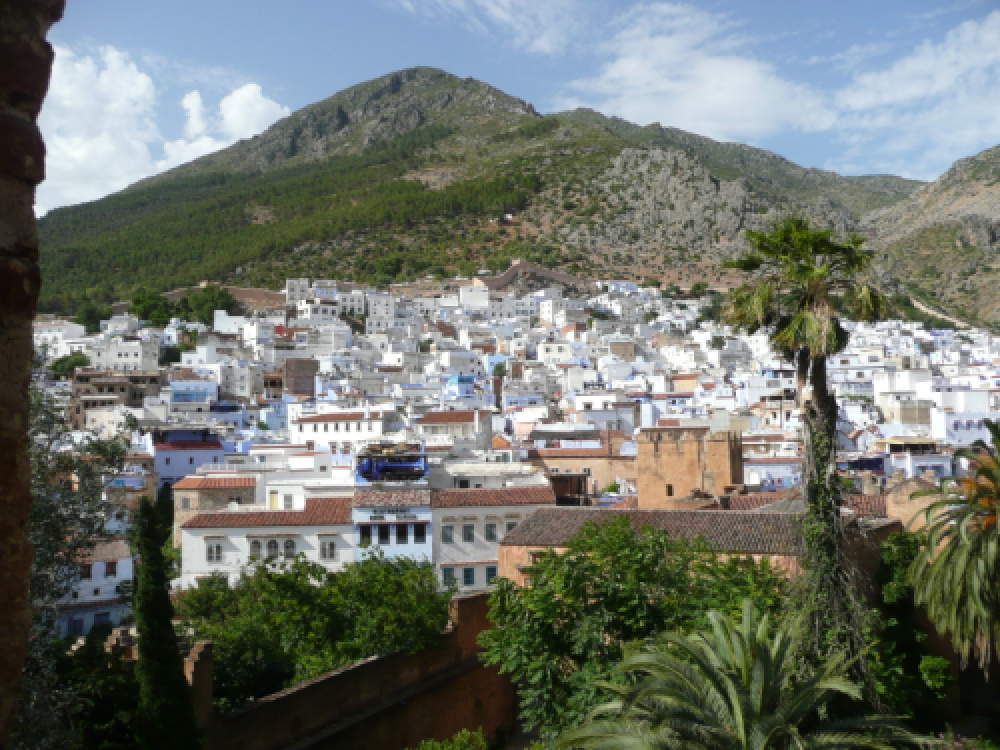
pixel 901 87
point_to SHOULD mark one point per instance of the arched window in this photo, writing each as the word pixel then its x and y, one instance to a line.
pixel 255 549
pixel 272 548
pixel 289 549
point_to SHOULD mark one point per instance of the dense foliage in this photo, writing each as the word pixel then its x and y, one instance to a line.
pixel 65 366
pixel 956 573
pixel 613 587
pixel 197 305
pixel 464 740
pixel 729 686
pixel 68 515
pixel 174 232
pixel 164 696
pixel 284 623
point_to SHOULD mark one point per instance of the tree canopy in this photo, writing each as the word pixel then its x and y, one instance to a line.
pixel 613 587
pixel 284 623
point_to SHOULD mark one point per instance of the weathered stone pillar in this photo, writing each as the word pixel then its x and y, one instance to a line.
pixel 25 65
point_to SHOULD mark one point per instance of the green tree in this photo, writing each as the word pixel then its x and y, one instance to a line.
pixel 731 686
pixel 956 576
pixel 64 367
pixel 463 740
pixel 68 514
pixel 202 304
pixel 90 316
pixel 164 695
pixel 286 622
pixel 799 279
pixel 698 289
pixel 613 586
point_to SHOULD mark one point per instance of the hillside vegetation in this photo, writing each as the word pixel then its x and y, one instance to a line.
pixel 407 176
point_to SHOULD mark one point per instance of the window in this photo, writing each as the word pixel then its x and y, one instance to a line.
pixel 468 576
pixel 185 503
pixel 491 573
pixel 490 532
pixel 463 484
pixel 289 549
pixel 670 490
pixel 468 532
pixel 327 550
pixel 272 548
pixel 86 571
pixel 255 549
pixel 273 499
pixel 111 569
pixel 213 552
pixel 167 461
pixel 287 504
pixel 190 459
pixel 366 536
pixel 447 534
pixel 402 533
pixel 448 574
pixel 419 533
pixel 102 618
pixel 511 525
pixel 383 534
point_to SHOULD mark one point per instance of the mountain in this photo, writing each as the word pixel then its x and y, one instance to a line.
pixel 406 175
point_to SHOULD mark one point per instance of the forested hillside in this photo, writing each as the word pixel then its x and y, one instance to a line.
pixel 412 174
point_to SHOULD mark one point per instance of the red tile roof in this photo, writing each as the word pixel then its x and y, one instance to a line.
pixel 573 453
pixel 346 416
pixel 726 531
pixel 214 483
pixel 189 445
pixel 364 498
pixel 458 416
pixel 319 511
pixel 541 495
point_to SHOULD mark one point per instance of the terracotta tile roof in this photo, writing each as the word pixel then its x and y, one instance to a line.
pixel 346 416
pixel 189 445
pixel 214 483
pixel 378 498
pixel 573 453
pixel 726 531
pixel 457 416
pixel 319 511
pixel 113 549
pixel 541 495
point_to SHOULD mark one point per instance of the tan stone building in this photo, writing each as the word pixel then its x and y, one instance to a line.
pixel 676 463
pixel 194 495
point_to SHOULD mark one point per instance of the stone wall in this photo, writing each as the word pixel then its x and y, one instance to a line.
pixel 25 65
pixel 388 702
pixel 679 462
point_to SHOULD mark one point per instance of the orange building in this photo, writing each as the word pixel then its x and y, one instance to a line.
pixel 676 464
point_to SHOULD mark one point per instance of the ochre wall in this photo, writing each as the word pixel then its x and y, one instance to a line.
pixel 603 469
pixel 690 460
pixel 389 702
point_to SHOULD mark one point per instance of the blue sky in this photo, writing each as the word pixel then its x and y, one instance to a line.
pixel 859 88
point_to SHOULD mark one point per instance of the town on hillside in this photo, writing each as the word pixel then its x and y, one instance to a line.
pixel 474 426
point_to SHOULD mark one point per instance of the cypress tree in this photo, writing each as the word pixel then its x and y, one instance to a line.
pixel 166 716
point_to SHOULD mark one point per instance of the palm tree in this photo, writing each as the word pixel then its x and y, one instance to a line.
pixel 799 280
pixel 728 688
pixel 956 575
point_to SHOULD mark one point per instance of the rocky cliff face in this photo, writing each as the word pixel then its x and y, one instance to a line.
pixel 942 242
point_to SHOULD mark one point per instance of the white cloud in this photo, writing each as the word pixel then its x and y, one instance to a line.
pixel 930 107
pixel 543 26
pixel 246 112
pixel 195 124
pixel 687 68
pixel 101 128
